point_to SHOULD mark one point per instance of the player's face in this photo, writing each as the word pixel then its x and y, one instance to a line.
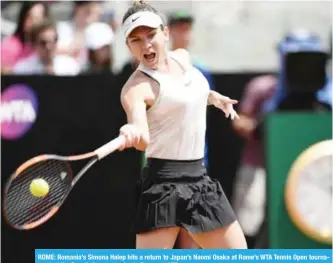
pixel 148 45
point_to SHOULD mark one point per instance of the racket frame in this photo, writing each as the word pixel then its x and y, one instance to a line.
pixel 96 155
pixel 73 181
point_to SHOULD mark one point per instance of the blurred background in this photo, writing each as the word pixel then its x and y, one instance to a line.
pixel 63 64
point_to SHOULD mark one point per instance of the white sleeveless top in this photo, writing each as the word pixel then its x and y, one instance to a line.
pixel 177 120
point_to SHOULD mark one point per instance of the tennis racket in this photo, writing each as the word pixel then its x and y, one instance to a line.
pixel 24 211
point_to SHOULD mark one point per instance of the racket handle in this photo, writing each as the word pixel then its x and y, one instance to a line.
pixel 110 147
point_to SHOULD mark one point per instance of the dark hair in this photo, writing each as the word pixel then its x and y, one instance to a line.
pixel 25 9
pixel 139 6
pixel 39 28
pixel 107 63
pixel 180 17
pixel 78 4
pixel 81 3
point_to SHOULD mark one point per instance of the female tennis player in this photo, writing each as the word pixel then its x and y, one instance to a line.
pixel 165 100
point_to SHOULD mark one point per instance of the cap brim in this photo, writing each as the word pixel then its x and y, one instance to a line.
pixel 149 20
pixel 131 29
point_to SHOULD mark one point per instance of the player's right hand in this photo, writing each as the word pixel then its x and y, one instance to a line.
pixel 132 136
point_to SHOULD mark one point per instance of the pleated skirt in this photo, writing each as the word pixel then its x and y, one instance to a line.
pixel 180 193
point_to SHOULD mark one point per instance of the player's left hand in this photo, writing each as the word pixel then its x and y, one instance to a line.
pixel 226 105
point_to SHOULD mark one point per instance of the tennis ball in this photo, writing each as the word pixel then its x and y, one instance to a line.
pixel 39 187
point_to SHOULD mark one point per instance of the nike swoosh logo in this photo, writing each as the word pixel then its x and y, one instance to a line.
pixel 134 19
pixel 188 83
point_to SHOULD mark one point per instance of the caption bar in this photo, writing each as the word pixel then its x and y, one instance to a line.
pixel 180 255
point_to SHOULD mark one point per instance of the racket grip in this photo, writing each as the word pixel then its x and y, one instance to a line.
pixel 110 147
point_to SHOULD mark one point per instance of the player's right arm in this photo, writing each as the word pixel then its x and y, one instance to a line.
pixel 134 97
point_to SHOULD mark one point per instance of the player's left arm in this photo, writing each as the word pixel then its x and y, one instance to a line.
pixel 223 103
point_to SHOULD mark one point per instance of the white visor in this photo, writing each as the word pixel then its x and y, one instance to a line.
pixel 144 18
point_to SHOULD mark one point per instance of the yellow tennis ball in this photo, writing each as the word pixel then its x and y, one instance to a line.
pixel 39 187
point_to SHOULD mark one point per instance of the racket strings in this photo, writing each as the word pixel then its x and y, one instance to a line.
pixel 21 207
pixel 38 168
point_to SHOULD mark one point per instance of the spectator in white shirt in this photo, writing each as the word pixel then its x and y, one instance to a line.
pixel 45 61
pixel 71 33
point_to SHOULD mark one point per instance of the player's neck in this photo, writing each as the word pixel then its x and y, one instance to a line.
pixel 164 63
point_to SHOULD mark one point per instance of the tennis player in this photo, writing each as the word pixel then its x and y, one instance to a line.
pixel 165 100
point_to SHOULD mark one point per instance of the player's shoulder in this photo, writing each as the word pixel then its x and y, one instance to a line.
pixel 137 89
pixel 137 78
pixel 137 82
pixel 182 55
pixel 181 52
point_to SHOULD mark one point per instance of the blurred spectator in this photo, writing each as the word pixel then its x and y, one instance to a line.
pixel 250 184
pixel 45 61
pixel 71 33
pixel 18 46
pixel 109 17
pixel 99 38
pixel 180 26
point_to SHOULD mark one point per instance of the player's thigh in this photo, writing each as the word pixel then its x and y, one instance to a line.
pixel 184 240
pixel 226 237
pixel 159 238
